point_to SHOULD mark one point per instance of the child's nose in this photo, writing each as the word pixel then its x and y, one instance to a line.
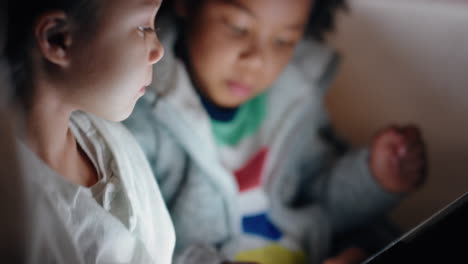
pixel 254 55
pixel 156 52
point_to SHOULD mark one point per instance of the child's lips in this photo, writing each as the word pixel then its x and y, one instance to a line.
pixel 143 88
pixel 239 89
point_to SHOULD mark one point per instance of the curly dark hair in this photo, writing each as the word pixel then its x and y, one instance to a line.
pixel 321 22
pixel 322 18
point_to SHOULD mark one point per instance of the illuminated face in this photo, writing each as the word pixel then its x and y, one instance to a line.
pixel 237 48
pixel 112 70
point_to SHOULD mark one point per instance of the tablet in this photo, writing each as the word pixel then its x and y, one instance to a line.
pixel 442 238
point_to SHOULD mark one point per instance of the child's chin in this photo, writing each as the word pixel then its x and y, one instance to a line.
pixel 123 116
pixel 231 103
pixel 116 116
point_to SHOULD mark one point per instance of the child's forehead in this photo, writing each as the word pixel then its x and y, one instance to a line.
pixel 134 3
pixel 285 13
pixel 130 8
pixel 258 6
pixel 238 4
pixel 151 2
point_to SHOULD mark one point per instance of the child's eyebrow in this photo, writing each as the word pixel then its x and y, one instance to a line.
pixel 149 7
pixel 240 6
pixel 297 27
pixel 152 3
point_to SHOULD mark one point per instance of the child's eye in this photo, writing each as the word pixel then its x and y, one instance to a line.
pixel 235 28
pixel 238 30
pixel 284 43
pixel 145 30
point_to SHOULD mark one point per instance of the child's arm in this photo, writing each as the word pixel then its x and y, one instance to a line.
pixel 339 179
pixel 364 183
pixel 358 184
pixel 323 170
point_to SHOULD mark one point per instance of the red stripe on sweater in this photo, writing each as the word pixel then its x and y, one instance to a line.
pixel 249 176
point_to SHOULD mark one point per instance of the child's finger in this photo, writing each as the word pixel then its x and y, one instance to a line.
pixel 389 135
pixel 413 165
pixel 412 168
pixel 414 145
pixel 415 176
pixel 416 167
pixel 397 142
pixel 414 153
pixel 414 158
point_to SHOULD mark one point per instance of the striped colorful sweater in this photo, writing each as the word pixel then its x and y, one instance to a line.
pixel 264 187
pixel 243 151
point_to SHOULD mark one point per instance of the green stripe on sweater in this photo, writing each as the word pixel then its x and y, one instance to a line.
pixel 246 122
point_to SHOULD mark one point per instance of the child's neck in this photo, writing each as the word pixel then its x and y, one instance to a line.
pixel 47 131
pixel 216 112
pixel 48 135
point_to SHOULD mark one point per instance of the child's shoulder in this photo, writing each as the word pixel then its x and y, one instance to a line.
pixel 316 62
pixel 309 72
pixel 304 81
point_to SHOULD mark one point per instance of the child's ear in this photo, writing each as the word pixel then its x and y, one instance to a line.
pixel 181 9
pixel 52 31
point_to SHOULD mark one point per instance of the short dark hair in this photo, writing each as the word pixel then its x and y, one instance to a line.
pixel 20 35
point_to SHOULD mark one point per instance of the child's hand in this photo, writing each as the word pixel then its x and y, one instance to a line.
pixel 398 158
pixel 352 255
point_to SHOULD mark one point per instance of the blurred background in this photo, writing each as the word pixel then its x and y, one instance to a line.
pixel 407 61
